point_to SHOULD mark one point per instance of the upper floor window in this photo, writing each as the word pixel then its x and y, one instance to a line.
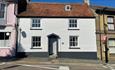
pixel 72 23
pixel 73 41
pixel 2 10
pixel 36 23
pixel 110 21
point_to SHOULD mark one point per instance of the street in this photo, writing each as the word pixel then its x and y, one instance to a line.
pixel 80 66
pixel 58 64
pixel 15 66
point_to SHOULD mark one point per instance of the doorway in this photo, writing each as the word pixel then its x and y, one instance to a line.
pixel 53 45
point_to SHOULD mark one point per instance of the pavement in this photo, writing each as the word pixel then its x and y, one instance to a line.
pixel 54 64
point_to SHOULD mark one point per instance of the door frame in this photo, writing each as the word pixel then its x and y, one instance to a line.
pixel 51 36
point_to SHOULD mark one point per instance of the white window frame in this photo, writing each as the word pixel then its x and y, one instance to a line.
pixel 74 44
pixel 5 42
pixel 73 23
pixel 36 23
pixel 110 22
pixel 36 42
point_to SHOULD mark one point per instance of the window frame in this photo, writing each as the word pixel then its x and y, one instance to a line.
pixel 37 42
pixel 5 11
pixel 110 23
pixel 7 46
pixel 111 46
pixel 37 24
pixel 109 41
pixel 73 24
pixel 75 42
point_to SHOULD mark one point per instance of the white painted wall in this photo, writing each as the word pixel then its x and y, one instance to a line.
pixel 59 26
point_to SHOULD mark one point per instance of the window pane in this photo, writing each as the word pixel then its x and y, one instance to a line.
pixel 75 21
pixel 71 44
pixel 1 36
pixel 75 25
pixel 2 10
pixel 70 25
pixel 111 26
pixel 70 21
pixel 32 25
pixel 33 44
pixel 6 37
pixel 39 44
pixel 33 38
pixel 74 43
pixel 71 39
pixel 74 39
pixel 111 42
pixel 110 19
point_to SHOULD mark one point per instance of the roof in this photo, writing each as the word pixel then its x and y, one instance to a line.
pixel 56 10
pixel 102 7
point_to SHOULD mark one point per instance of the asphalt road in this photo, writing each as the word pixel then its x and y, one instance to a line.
pixel 15 66
pixel 64 64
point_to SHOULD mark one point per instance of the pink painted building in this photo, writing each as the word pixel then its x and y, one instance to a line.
pixel 7 28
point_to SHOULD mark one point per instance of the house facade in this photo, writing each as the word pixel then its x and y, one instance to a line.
pixel 105 32
pixel 56 30
pixel 7 28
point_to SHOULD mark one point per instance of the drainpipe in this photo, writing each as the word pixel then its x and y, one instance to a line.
pixel 16 26
pixel 105 32
pixel 100 38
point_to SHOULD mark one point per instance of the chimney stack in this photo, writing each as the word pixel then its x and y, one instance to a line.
pixel 87 1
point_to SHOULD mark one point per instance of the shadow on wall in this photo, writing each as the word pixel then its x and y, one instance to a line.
pixel 20 51
pixel 2 27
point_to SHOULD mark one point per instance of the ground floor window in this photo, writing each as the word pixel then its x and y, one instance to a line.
pixel 73 41
pixel 111 44
pixel 36 41
pixel 4 39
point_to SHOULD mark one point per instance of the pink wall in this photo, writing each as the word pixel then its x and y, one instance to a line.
pixel 11 20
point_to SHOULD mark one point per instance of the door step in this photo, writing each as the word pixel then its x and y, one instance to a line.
pixel 53 56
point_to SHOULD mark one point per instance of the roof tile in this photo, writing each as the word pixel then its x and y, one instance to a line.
pixel 56 9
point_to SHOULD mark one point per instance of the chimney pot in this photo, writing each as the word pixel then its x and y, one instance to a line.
pixel 87 1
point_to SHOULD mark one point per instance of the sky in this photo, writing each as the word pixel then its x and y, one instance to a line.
pixel 109 3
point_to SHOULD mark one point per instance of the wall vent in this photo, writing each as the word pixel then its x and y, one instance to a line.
pixel 68 8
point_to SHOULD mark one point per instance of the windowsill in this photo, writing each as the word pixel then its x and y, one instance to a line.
pixel 73 29
pixel 74 47
pixel 111 30
pixel 36 48
pixel 35 28
pixel 4 47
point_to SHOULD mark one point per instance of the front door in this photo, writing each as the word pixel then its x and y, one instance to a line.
pixel 53 46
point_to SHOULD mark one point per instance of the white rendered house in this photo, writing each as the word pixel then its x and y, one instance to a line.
pixel 60 30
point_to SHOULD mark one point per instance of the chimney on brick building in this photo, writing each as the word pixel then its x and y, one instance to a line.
pixel 86 1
